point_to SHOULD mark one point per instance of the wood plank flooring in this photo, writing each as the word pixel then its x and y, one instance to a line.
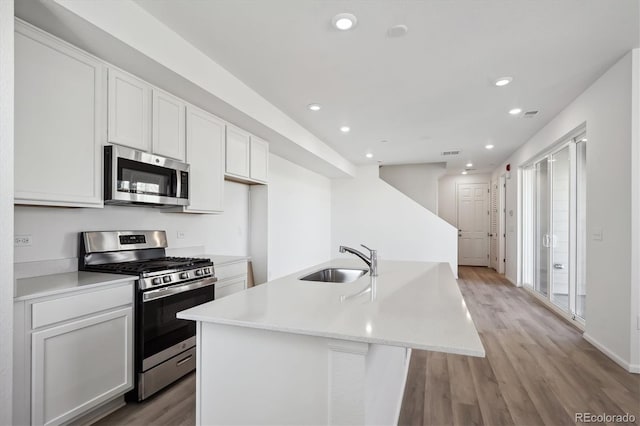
pixel 538 370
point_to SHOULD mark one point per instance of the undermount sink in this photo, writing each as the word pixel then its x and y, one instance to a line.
pixel 335 275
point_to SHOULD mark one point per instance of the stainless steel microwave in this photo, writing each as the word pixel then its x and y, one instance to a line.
pixel 133 177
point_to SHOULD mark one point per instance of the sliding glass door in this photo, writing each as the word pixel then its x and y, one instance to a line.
pixel 558 237
pixel 554 226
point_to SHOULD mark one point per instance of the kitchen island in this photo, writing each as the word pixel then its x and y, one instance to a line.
pixel 304 352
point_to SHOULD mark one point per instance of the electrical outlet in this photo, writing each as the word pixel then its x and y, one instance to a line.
pixel 180 235
pixel 22 240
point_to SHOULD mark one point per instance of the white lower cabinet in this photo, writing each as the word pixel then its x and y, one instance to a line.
pixel 78 365
pixel 232 278
pixel 227 287
pixel 72 353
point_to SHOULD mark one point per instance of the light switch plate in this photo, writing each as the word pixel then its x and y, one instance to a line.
pixel 596 233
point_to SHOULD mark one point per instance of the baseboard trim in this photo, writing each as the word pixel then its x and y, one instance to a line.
pixel 99 412
pixel 632 368
pixel 514 283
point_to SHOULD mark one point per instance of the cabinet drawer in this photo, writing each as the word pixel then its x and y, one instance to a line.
pixel 230 270
pixel 66 308
pixel 231 286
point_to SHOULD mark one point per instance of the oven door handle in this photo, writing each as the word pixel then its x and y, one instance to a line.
pixel 148 296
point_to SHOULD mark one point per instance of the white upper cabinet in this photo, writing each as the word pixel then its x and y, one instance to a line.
pixel 259 159
pixel 247 157
pixel 168 125
pixel 129 111
pixel 58 122
pixel 205 154
pixel 238 152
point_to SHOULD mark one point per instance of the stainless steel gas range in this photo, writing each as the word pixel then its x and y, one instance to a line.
pixel 164 345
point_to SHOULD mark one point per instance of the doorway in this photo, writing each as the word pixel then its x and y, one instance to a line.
pixel 473 224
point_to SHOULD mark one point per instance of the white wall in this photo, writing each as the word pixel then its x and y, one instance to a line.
pixel 299 218
pixel 6 210
pixel 368 210
pixel 418 181
pixel 605 107
pixel 635 213
pixel 54 230
pixel 447 202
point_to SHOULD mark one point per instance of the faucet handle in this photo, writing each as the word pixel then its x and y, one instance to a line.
pixel 371 251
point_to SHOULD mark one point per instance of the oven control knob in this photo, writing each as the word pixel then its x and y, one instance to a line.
pixel 166 279
pixel 184 275
pixel 156 281
pixel 207 270
pixel 199 272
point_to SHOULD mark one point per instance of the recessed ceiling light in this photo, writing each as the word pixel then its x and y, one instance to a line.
pixel 369 155
pixel 314 107
pixel 345 129
pixel 464 172
pixel 344 21
pixel 489 146
pixel 469 164
pixel 503 81
pixel 397 31
pixel 515 111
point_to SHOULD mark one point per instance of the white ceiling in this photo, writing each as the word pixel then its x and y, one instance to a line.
pixel 424 93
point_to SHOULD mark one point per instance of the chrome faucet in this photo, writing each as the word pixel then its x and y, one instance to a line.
pixel 371 260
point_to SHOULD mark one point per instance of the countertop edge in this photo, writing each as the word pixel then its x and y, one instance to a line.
pixel 72 289
pixel 339 336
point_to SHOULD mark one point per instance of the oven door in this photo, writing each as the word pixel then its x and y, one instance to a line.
pixel 161 334
pixel 133 177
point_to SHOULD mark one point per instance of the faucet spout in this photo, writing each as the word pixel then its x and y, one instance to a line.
pixel 371 260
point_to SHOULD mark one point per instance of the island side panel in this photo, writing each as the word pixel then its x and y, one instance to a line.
pixel 386 377
pixel 253 376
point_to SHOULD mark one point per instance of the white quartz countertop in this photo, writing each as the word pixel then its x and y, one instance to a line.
pixel 47 285
pixel 415 304
pixel 219 259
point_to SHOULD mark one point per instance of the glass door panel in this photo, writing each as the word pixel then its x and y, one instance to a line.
pixel 559 236
pixel 541 228
pixel 581 227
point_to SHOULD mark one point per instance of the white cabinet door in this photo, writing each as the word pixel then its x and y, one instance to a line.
pixel 259 159
pixel 228 287
pixel 238 148
pixel 205 154
pixel 58 122
pixel 79 365
pixel 129 111
pixel 168 125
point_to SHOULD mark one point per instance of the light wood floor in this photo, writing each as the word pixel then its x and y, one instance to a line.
pixel 538 370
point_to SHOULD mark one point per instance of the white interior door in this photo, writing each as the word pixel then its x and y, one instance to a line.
pixel 473 224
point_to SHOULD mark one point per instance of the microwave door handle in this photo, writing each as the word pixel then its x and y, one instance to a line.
pixel 176 181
